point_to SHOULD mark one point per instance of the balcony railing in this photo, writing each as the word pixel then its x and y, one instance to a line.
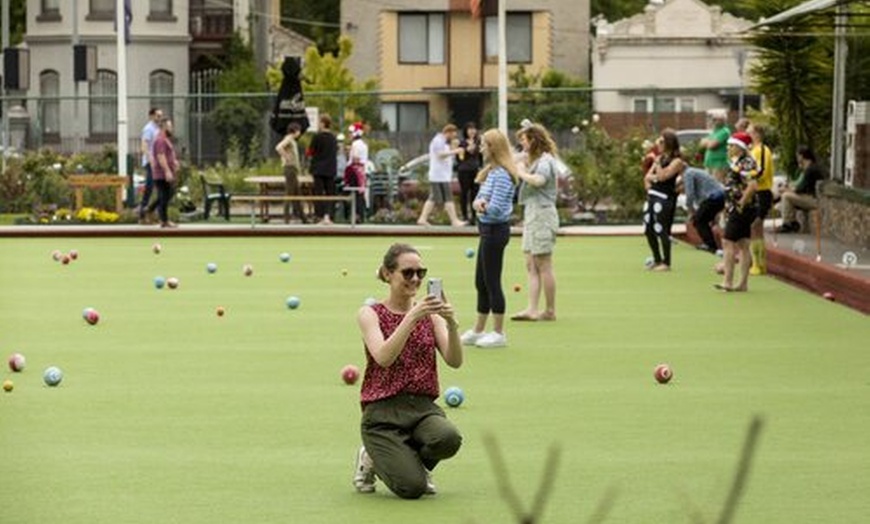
pixel 211 23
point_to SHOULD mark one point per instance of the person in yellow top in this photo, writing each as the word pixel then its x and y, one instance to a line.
pixel 764 160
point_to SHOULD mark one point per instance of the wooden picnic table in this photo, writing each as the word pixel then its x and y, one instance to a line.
pixel 80 182
pixel 274 186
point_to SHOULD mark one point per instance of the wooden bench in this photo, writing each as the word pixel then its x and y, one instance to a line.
pixel 265 199
pixel 80 182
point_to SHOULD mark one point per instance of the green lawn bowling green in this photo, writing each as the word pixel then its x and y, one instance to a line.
pixel 169 413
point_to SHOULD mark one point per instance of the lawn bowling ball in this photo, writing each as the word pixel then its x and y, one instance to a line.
pixel 159 282
pixel 52 376
pixel 370 301
pixel 344 272
pixel 663 373
pixel 172 282
pixel 469 253
pixel 56 255
pixel 211 267
pixel 829 296
pixel 65 260
pixel 285 257
pixel 517 288
pixel 292 302
pixel 220 311
pixel 74 254
pixel 248 270
pixel 350 374
pixel 8 385
pixel 156 248
pixel 17 362
pixel 91 316
pixel 649 262
pixel 454 397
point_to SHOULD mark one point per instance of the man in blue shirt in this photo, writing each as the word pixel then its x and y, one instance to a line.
pixel 705 199
pixel 149 133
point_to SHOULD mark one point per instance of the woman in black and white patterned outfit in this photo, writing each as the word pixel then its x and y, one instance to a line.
pixel 660 183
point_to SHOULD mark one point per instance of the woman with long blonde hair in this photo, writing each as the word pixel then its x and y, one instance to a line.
pixel 494 206
pixel 537 194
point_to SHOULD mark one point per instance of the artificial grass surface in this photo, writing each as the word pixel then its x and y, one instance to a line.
pixel 168 413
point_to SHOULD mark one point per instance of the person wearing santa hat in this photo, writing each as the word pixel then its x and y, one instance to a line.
pixel 741 186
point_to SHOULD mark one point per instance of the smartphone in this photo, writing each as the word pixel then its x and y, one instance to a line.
pixel 434 287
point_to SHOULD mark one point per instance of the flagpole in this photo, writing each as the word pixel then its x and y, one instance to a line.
pixel 502 67
pixel 123 139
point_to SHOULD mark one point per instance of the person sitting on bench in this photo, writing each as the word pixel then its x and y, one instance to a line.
pixel 803 195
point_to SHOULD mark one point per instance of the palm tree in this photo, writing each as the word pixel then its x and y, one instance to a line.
pixel 794 71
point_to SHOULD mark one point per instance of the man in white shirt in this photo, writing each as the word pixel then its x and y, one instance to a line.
pixel 149 133
pixel 441 152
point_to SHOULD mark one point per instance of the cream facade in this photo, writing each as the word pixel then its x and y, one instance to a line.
pixel 438 63
pixel 157 70
pixel 678 56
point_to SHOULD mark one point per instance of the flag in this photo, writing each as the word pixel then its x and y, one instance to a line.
pixel 481 8
pixel 128 19
pixel 475 8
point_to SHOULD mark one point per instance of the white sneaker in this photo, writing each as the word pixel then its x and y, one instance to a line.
pixel 470 337
pixel 491 340
pixel 364 472
pixel 430 486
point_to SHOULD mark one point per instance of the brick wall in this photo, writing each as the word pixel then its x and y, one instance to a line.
pixel 845 213
pixel 624 124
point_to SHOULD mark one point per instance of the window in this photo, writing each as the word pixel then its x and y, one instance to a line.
pixel 409 116
pixel 519 38
pixel 687 105
pixel 101 10
pixel 161 84
pixel 49 86
pixel 421 38
pixel 49 11
pixel 663 105
pixel 160 10
pixel 666 105
pixel 104 104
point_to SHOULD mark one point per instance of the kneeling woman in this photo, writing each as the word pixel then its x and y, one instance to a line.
pixel 404 433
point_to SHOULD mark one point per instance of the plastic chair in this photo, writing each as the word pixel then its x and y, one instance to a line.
pixel 215 192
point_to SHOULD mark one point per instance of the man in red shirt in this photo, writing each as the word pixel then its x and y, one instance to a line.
pixel 165 170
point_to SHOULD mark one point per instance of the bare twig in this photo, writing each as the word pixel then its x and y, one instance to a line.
pixel 604 506
pixel 502 478
pixel 738 486
pixel 547 479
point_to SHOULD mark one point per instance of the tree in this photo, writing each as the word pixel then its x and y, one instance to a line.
pixel 239 119
pixel 322 19
pixel 17 20
pixel 329 73
pixel 794 72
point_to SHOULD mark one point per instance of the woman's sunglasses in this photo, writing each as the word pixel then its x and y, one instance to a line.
pixel 409 272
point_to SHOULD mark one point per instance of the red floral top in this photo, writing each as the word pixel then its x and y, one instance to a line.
pixel 415 371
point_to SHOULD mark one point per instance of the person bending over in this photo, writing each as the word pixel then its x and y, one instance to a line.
pixel 705 199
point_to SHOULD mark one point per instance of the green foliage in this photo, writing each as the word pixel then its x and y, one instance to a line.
pixel 794 73
pixel 240 117
pixel 323 11
pixel 17 20
pixel 607 170
pixel 329 73
pixel 542 100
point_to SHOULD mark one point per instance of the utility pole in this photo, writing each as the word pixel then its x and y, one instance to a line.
pixel 5 30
